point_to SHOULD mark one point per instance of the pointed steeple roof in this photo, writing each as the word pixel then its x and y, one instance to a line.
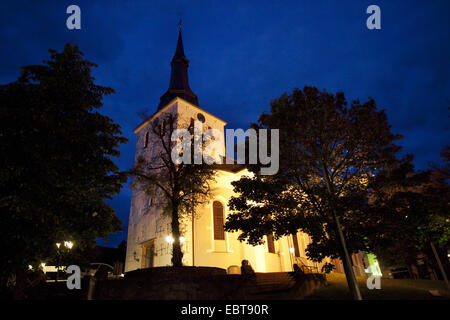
pixel 179 82
pixel 179 52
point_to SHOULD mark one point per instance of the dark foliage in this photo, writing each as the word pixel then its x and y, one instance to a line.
pixel 56 166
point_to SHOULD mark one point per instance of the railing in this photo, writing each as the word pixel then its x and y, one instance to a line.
pixel 300 262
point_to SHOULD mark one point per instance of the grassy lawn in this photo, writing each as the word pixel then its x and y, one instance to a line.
pixel 391 289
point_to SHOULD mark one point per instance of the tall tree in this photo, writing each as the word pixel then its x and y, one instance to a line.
pixel 56 168
pixel 180 186
pixel 328 153
pixel 397 207
pixel 411 207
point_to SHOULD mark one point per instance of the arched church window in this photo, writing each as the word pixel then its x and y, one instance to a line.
pixel 270 243
pixel 146 140
pixel 296 247
pixel 218 214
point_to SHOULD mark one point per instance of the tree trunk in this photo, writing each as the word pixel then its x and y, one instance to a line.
pixel 177 255
pixel 441 267
pixel 345 257
pixel 347 263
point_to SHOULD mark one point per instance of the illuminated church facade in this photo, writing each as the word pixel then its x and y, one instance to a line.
pixel 205 241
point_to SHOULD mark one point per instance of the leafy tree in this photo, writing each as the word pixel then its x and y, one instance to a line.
pixel 180 186
pixel 56 167
pixel 329 152
pixel 411 208
pixel 397 205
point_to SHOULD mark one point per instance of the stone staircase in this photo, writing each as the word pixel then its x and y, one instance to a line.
pixel 272 282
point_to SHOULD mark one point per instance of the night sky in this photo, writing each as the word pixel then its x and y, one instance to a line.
pixel 245 54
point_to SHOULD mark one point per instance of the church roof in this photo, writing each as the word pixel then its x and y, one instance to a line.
pixel 179 82
pixel 168 106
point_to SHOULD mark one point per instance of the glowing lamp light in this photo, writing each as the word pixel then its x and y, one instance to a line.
pixel 181 239
pixel 58 245
pixel 169 239
pixel 68 244
pixel 43 264
pixel 291 250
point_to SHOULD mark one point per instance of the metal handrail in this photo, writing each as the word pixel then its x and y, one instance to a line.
pixel 300 262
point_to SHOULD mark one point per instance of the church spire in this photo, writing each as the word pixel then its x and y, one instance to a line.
pixel 179 83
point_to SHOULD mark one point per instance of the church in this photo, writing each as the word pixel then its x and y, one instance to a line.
pixel 204 241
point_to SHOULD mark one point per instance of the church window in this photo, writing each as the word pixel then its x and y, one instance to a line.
pixel 296 248
pixel 148 205
pixel 218 213
pixel 270 243
pixel 146 140
pixel 201 117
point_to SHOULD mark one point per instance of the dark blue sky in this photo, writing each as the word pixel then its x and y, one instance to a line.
pixel 243 54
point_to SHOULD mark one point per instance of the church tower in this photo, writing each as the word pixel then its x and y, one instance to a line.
pixel 205 241
pixel 148 228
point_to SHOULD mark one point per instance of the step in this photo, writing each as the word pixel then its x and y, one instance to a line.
pixel 272 282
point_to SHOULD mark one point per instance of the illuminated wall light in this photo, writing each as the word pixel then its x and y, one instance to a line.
pixel 181 239
pixel 169 239
pixel 291 250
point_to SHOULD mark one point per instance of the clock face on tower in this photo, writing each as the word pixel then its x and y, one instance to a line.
pixel 201 117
